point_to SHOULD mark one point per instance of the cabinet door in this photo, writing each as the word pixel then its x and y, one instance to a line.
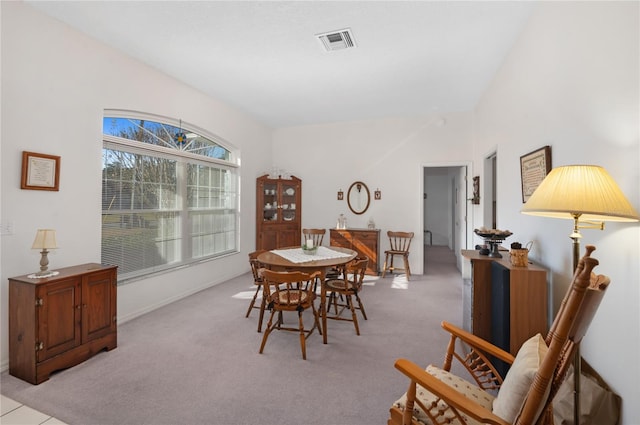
pixel 98 305
pixel 481 300
pixel 288 202
pixel 59 317
pixel 500 317
pixel 366 243
pixel 339 238
pixel 268 238
pixel 289 236
pixel 269 201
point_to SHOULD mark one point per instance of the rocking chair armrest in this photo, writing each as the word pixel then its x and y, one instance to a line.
pixel 447 393
pixel 478 343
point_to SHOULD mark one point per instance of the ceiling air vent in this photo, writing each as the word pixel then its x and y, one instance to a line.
pixel 337 40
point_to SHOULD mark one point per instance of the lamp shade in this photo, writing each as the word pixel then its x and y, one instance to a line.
pixel 587 191
pixel 45 239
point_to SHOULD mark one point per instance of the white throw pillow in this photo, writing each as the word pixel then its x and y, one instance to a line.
pixel 519 378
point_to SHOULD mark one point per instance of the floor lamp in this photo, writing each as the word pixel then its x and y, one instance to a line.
pixel 589 196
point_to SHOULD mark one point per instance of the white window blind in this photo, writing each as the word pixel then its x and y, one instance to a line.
pixel 169 197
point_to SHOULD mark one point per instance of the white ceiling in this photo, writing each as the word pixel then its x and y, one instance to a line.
pixel 412 58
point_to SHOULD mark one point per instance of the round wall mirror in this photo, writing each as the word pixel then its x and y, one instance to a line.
pixel 358 198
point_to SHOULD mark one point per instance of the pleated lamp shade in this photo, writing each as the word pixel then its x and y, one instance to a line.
pixel 587 191
pixel 45 239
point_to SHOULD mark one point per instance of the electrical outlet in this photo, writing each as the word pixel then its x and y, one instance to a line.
pixel 6 228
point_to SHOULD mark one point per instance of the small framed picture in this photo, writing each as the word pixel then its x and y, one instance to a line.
pixel 476 191
pixel 40 171
pixel 340 195
pixel 534 167
pixel 377 195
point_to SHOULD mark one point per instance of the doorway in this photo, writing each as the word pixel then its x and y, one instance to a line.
pixel 445 211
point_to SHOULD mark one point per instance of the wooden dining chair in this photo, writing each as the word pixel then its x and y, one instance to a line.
pixel 524 396
pixel 399 244
pixel 256 270
pixel 316 235
pixel 340 292
pixel 289 292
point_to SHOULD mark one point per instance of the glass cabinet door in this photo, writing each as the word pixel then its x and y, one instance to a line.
pixel 270 202
pixel 288 207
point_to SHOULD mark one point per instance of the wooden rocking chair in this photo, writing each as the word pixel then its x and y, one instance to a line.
pixel 436 396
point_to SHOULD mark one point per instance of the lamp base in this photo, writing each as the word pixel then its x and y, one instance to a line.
pixel 494 244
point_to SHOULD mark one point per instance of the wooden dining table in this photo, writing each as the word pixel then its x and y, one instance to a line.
pixel 277 262
pixel 274 261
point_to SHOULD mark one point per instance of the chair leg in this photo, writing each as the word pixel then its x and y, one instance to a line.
pixel 406 266
pixel 303 340
pixel 333 299
pixel 353 314
pixel 361 306
pixel 267 331
pixel 316 320
pixel 384 266
pixel 253 301
pixel 263 305
pixel 323 313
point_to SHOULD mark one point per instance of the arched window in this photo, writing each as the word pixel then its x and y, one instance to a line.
pixel 169 194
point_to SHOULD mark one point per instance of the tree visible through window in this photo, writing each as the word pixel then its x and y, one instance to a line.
pixel 169 196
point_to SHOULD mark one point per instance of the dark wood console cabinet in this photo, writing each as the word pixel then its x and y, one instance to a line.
pixel 60 321
pixel 507 304
pixel 365 242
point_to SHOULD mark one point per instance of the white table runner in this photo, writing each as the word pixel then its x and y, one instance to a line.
pixel 296 255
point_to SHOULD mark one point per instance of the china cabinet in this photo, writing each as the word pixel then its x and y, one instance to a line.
pixel 57 322
pixel 278 215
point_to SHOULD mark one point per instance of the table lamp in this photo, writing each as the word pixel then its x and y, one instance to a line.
pixel 589 196
pixel 45 240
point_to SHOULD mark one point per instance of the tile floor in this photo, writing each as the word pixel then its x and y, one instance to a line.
pixel 14 413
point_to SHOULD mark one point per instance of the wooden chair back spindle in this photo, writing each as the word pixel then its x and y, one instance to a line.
pixel 316 235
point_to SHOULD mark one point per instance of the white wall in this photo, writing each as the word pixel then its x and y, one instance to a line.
pixel 438 214
pixel 386 154
pixel 571 82
pixel 55 85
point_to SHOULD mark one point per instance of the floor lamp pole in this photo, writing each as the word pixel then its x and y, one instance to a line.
pixel 577 364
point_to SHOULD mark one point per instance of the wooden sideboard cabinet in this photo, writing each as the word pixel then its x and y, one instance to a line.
pixel 507 304
pixel 366 242
pixel 60 321
pixel 279 212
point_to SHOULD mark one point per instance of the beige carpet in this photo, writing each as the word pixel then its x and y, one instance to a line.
pixel 196 361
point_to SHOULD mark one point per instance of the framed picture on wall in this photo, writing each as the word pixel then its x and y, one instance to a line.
pixel 40 171
pixel 476 191
pixel 534 167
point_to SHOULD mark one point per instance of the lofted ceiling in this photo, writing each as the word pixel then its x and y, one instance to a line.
pixel 263 57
